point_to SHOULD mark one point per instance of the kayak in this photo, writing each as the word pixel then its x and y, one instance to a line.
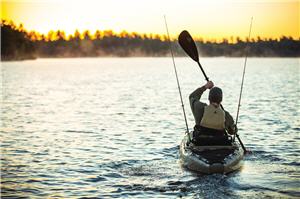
pixel 210 159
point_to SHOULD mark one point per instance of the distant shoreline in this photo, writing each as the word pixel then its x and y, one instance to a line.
pixel 17 44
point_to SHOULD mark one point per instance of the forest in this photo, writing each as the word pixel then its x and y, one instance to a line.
pixel 19 44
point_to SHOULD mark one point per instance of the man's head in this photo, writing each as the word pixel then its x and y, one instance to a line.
pixel 215 95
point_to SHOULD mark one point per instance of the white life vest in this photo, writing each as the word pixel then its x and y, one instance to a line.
pixel 213 118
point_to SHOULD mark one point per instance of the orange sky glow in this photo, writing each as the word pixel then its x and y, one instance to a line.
pixel 208 19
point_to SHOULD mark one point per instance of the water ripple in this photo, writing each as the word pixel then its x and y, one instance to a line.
pixel 112 128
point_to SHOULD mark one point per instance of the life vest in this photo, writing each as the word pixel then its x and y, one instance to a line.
pixel 213 118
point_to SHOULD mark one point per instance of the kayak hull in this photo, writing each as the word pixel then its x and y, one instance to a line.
pixel 226 162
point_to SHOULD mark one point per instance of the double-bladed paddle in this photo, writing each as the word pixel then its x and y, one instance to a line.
pixel 188 45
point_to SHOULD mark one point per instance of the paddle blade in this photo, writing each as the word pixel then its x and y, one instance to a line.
pixel 188 45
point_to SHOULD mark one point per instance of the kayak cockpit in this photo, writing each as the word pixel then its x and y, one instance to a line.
pixel 210 158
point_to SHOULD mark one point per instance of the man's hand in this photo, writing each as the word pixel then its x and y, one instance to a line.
pixel 209 85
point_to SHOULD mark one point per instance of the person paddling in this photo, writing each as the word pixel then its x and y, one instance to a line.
pixel 210 119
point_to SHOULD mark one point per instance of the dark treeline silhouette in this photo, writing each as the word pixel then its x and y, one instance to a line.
pixel 17 43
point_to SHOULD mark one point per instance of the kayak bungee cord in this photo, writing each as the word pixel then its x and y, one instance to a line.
pixel 245 63
pixel 178 85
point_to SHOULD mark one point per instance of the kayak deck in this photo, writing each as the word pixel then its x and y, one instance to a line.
pixel 210 159
pixel 214 156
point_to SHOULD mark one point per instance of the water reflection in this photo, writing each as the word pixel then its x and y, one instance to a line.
pixel 111 128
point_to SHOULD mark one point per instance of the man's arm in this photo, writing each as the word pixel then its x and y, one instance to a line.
pixel 195 104
pixel 196 95
pixel 229 124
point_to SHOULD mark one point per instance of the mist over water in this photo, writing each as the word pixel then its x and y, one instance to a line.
pixel 111 127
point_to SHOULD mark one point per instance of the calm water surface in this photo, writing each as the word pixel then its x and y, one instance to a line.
pixel 111 127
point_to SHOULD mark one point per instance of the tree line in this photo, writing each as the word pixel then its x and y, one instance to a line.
pixel 18 44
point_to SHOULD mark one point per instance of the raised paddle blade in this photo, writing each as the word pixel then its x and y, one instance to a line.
pixel 188 45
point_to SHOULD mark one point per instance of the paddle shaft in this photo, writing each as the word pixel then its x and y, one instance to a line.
pixel 178 85
pixel 238 137
pixel 206 78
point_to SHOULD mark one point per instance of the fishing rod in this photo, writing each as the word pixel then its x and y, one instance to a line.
pixel 178 85
pixel 242 84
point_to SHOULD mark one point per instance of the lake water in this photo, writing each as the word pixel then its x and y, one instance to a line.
pixel 111 127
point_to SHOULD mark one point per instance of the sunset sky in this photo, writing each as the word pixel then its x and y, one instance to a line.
pixel 209 19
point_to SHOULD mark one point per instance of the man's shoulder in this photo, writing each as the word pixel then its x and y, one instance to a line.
pixel 226 112
pixel 200 104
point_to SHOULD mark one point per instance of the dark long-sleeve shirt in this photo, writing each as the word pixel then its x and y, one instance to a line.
pixel 198 109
